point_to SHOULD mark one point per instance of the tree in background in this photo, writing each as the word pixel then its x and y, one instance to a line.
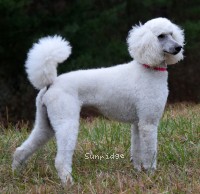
pixel 97 30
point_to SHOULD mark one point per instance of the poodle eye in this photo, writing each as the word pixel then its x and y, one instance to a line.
pixel 161 36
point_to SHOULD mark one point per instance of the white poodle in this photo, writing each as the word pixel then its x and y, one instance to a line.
pixel 135 92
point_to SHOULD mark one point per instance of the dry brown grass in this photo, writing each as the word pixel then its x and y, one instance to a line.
pixel 178 159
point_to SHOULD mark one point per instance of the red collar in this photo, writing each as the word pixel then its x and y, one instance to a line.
pixel 155 68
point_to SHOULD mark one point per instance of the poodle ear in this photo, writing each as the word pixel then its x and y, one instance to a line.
pixel 178 35
pixel 144 47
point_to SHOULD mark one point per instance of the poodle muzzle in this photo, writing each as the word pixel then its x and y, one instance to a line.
pixel 169 45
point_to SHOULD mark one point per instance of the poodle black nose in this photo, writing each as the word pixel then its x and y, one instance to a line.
pixel 178 48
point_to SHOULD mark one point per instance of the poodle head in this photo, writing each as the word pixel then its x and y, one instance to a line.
pixel 156 42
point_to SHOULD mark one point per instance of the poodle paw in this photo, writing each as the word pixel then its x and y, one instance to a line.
pixel 137 168
pixel 67 182
pixel 15 165
pixel 17 161
pixel 149 169
pixel 136 165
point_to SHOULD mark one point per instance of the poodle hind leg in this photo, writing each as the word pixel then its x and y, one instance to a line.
pixel 66 137
pixel 64 116
pixel 40 134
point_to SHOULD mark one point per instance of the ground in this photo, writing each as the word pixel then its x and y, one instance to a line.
pixel 101 163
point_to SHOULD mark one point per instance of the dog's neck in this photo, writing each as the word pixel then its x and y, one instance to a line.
pixel 161 67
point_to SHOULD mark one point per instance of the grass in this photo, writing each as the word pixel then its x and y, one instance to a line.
pixel 178 158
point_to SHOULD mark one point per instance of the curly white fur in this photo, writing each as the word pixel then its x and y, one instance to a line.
pixel 144 46
pixel 128 93
pixel 43 60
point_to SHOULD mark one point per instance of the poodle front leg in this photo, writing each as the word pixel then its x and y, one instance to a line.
pixel 148 138
pixel 135 147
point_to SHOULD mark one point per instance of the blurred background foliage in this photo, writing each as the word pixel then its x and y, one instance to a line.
pixel 97 31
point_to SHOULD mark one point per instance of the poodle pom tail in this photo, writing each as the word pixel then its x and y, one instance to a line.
pixel 43 59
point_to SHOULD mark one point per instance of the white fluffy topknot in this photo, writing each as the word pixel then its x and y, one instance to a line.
pixel 43 59
pixel 143 43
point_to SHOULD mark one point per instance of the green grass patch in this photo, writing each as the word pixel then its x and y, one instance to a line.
pixel 178 158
